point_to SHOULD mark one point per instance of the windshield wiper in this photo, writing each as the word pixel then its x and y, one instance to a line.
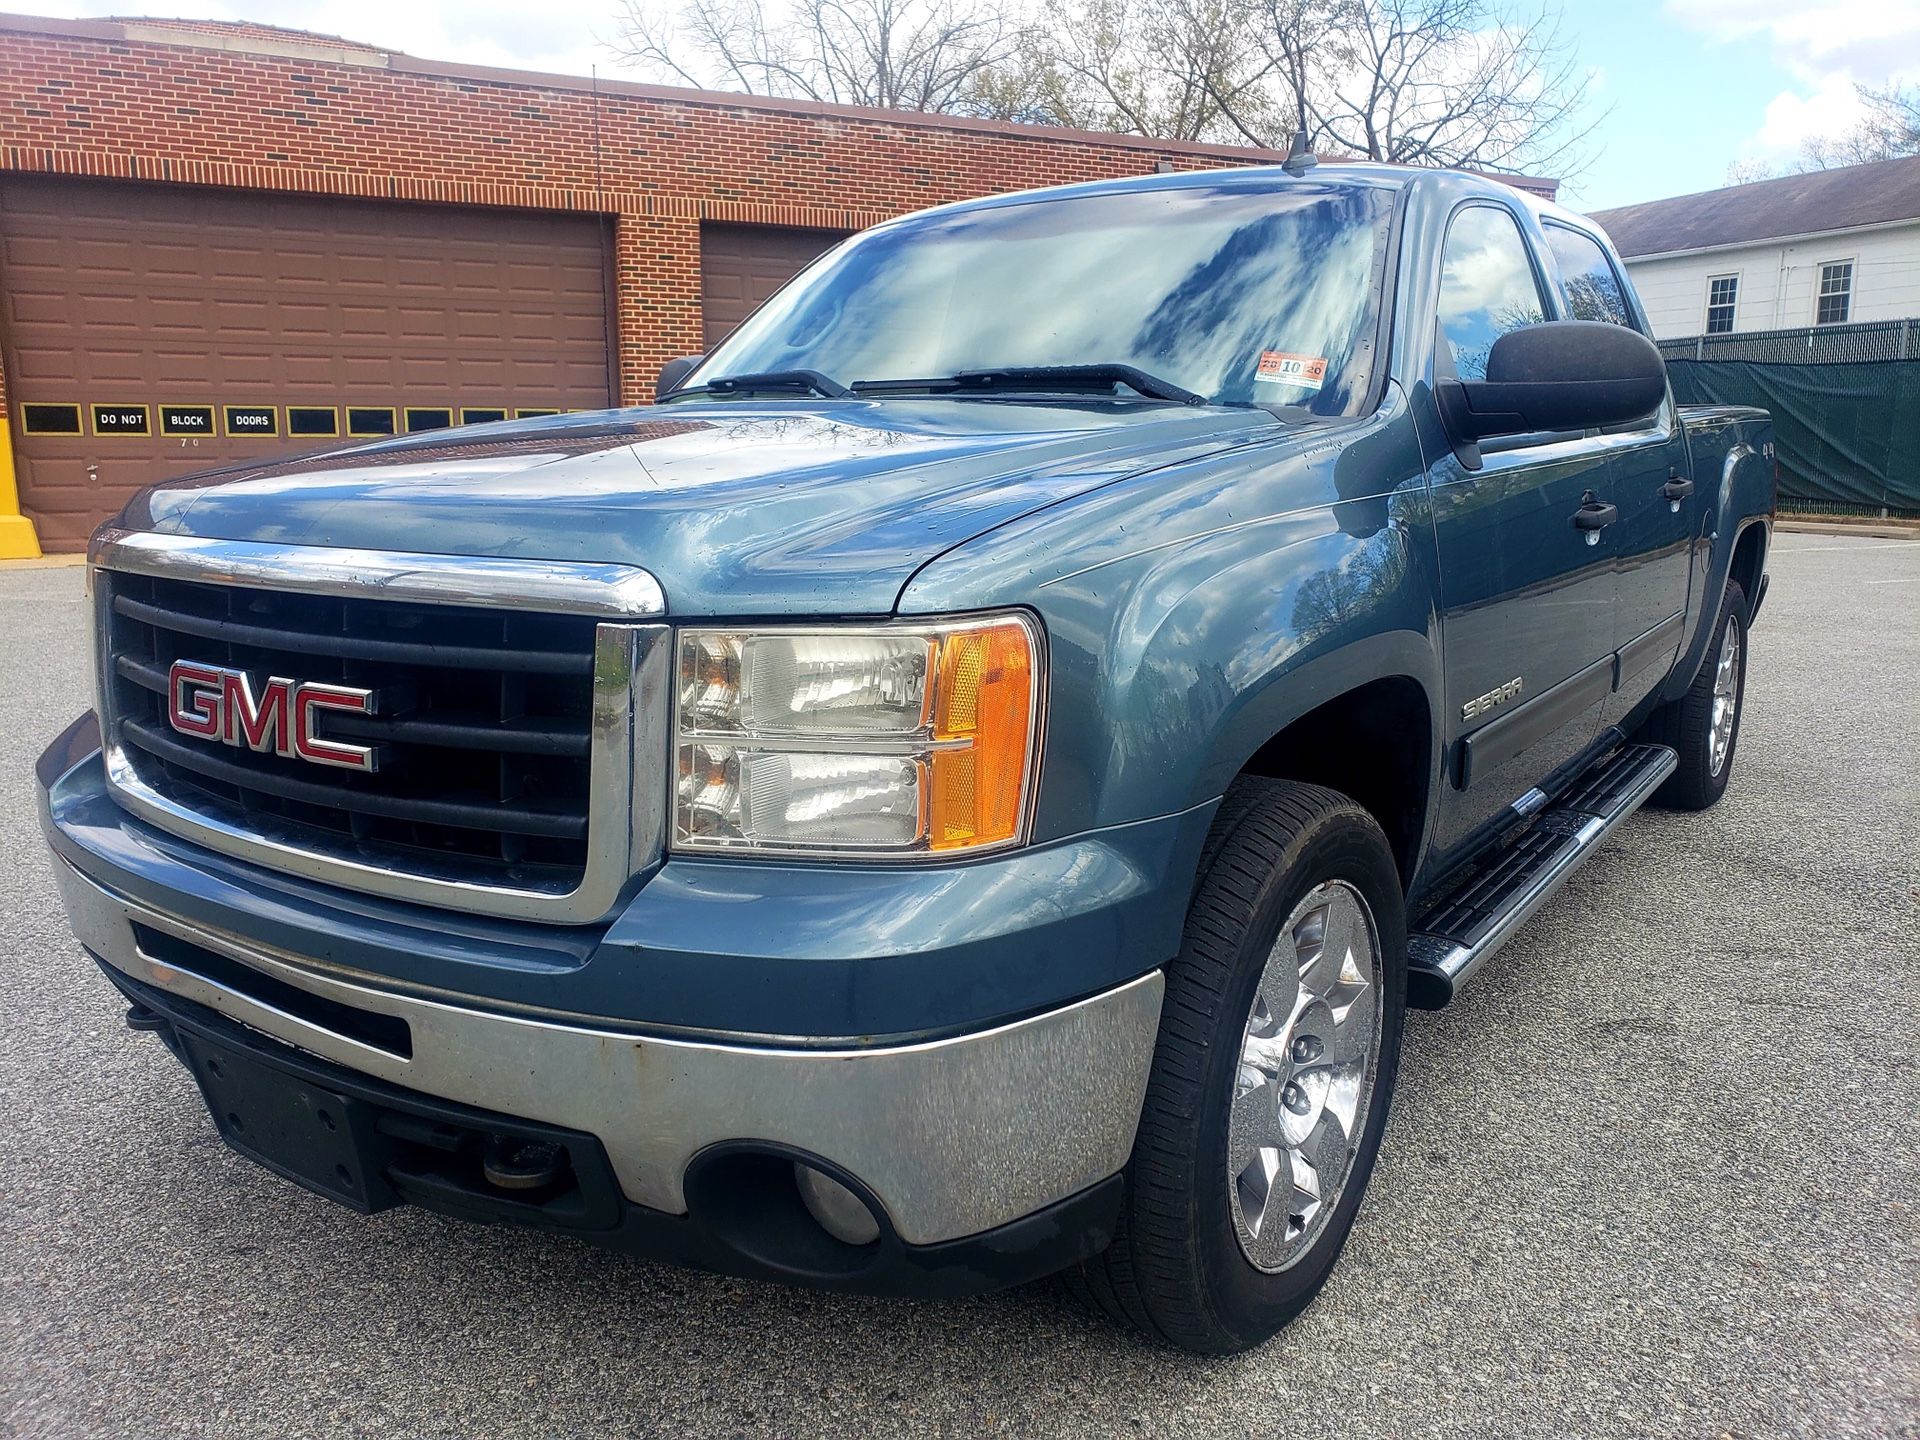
pixel 772 382
pixel 1068 379
pixel 1076 377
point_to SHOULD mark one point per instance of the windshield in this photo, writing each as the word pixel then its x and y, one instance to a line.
pixel 1243 294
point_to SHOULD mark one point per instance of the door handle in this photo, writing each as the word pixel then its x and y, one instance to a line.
pixel 1677 488
pixel 1595 515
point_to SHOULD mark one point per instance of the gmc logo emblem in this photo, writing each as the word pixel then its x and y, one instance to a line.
pixel 211 702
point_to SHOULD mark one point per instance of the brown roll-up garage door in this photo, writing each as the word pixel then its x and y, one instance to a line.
pixel 151 330
pixel 741 265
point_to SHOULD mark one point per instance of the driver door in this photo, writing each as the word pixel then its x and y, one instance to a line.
pixel 1527 599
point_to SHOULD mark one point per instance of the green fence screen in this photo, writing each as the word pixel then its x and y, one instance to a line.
pixel 1845 405
pixel 1847 434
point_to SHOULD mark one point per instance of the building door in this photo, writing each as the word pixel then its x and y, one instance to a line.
pixel 152 330
pixel 741 265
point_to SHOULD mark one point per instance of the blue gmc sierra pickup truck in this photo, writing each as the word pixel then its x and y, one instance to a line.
pixel 968 784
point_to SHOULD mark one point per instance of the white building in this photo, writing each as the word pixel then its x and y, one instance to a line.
pixel 1828 248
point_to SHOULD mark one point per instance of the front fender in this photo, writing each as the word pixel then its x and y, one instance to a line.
pixel 1172 667
pixel 1289 692
pixel 1192 613
pixel 1219 647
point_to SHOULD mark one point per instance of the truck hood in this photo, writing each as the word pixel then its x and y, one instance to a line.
pixel 736 507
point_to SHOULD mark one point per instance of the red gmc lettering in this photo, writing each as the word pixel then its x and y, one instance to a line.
pixel 261 724
pixel 309 698
pixel 213 702
pixel 194 711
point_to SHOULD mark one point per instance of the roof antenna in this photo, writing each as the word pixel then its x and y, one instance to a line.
pixel 1300 158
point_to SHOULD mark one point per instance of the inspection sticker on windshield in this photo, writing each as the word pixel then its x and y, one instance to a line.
pixel 1301 372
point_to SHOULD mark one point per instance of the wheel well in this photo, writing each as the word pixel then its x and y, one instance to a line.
pixel 1372 744
pixel 1749 559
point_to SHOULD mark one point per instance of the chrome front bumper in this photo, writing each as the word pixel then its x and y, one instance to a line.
pixel 954 1136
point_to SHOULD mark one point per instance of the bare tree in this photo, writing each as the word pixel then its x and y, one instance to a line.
pixel 1030 89
pixel 1889 130
pixel 1486 84
pixel 938 55
pixel 1162 68
pixel 1746 172
pixel 1466 83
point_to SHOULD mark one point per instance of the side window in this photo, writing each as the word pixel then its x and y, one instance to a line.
pixel 1486 287
pixel 1723 299
pixel 1587 280
pixel 1835 300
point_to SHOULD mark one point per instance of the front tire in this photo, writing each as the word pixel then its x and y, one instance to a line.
pixel 1279 1044
pixel 1703 726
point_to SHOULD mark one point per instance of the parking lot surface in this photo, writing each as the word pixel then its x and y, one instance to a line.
pixel 1656 1173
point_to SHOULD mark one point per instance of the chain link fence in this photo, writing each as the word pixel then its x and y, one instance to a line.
pixel 1845 401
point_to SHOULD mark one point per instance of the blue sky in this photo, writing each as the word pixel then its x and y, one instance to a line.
pixel 1689 86
pixel 1693 85
pixel 1680 106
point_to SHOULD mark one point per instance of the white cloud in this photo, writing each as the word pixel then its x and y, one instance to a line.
pixel 1828 46
pixel 1793 117
pixel 1870 40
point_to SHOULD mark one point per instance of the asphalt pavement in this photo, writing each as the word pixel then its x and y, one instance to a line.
pixel 1657 1172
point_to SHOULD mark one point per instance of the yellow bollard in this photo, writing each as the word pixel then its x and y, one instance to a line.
pixel 17 538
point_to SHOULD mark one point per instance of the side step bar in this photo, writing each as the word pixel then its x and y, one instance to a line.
pixel 1455 937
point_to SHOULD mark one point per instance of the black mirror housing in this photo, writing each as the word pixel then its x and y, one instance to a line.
pixel 1560 375
pixel 672 373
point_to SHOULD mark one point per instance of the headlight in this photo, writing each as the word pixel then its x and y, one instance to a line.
pixel 883 740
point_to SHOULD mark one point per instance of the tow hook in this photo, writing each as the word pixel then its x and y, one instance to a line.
pixel 510 1163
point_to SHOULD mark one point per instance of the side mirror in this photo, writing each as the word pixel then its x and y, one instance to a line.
pixel 672 373
pixel 1560 375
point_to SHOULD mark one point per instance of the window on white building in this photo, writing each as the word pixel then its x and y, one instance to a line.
pixel 1836 293
pixel 1723 295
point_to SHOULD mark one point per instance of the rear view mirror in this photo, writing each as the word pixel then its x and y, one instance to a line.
pixel 672 373
pixel 1560 375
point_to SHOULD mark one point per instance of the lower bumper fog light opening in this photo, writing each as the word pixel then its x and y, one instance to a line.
pixel 840 1212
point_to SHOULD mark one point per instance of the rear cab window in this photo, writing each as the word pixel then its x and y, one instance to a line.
pixel 1589 285
pixel 1592 289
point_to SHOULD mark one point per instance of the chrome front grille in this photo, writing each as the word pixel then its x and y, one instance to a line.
pixel 521 747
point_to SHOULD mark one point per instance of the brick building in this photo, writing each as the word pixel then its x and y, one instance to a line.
pixel 219 239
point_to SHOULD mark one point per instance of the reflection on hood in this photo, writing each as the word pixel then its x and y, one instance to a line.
pixel 737 507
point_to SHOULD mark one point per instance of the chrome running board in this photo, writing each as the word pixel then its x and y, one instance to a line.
pixel 1454 937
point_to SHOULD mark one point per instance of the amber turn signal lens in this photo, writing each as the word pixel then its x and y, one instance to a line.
pixel 983 718
pixel 881 741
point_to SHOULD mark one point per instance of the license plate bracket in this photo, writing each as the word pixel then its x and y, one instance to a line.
pixel 316 1137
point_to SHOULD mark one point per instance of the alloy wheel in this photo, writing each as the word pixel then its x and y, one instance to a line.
pixel 1726 699
pixel 1308 1056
